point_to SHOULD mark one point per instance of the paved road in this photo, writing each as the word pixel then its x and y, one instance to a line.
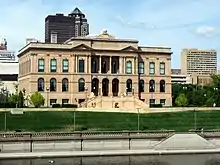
pixel 88 145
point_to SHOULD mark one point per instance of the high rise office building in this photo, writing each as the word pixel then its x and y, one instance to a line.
pixel 9 68
pixel 200 62
pixel 59 28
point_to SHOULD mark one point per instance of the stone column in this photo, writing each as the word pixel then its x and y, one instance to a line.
pixel 110 64
pixel 100 88
pixel 135 66
pixel 88 64
pixel 100 64
pixel 121 65
pixel 76 62
pixel 110 88
pixel 33 66
pixel 124 64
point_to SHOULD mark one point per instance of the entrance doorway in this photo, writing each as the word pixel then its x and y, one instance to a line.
pixel 115 86
pixel 105 87
pixel 95 86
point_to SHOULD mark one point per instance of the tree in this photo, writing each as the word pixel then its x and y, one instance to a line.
pixel 16 87
pixel 20 99
pixel 181 100
pixel 13 98
pixel 37 99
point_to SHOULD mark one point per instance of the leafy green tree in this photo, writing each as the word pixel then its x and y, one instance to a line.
pixel 3 93
pixel 17 99
pixel 13 98
pixel 37 99
pixel 181 100
pixel 21 99
pixel 176 90
pixel 215 89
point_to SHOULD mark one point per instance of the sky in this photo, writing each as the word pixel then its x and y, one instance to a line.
pixel 175 23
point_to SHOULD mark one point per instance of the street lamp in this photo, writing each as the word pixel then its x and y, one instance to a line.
pixel 74 117
pixel 5 121
pixel 94 91
pixel 86 89
pixel 138 120
pixel 25 97
pixel 47 90
pixel 195 120
pixel 216 100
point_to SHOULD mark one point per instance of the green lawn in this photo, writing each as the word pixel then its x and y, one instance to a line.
pixel 64 121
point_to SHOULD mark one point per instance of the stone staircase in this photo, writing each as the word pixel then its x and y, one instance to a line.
pixel 120 102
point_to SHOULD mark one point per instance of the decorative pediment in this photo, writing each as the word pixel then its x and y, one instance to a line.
pixel 82 47
pixel 129 48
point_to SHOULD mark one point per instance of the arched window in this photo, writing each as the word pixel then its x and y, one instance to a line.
pixel 152 86
pixel 65 85
pixel 141 86
pixel 53 84
pixel 128 67
pixel 40 84
pixel 129 85
pixel 81 85
pixel 162 86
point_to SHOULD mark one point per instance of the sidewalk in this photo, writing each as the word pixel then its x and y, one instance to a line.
pixel 37 155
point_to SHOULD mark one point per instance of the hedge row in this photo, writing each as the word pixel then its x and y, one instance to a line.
pixel 64 106
pixel 156 106
pixel 7 105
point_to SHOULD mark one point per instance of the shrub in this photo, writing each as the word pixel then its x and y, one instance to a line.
pixel 37 99
pixel 56 106
pixel 69 105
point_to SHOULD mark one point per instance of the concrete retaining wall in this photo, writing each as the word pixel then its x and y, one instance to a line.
pixel 74 145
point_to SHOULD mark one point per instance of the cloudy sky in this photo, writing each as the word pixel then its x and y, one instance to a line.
pixel 175 23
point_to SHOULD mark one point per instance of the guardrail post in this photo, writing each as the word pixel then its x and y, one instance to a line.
pixel 81 142
pixel 129 141
pixel 31 143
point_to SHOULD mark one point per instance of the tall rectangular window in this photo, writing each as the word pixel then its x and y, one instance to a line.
pixel 65 101
pixel 152 101
pixel 65 65
pixel 162 68
pixel 53 101
pixel 141 68
pixel 40 65
pixel 152 68
pixel 129 67
pixel 162 101
pixel 81 66
pixel 53 65
pixel 76 31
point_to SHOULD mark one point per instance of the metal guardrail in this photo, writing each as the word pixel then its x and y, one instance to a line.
pixel 106 134
pixel 86 134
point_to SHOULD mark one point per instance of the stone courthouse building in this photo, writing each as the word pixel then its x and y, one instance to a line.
pixel 98 72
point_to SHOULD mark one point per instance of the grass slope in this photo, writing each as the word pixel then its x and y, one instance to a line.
pixel 64 121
